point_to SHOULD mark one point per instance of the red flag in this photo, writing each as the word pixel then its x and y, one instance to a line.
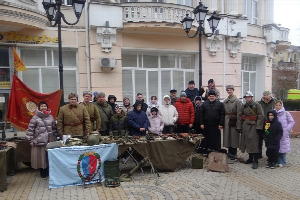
pixel 23 103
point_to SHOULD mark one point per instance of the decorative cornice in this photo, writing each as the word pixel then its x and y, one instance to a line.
pixel 21 15
pixel 234 45
pixel 213 44
pixel 14 5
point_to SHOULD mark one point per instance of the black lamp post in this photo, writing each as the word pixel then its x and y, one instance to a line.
pixel 200 13
pixel 54 14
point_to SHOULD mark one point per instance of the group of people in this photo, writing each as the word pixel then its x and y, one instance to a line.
pixel 244 125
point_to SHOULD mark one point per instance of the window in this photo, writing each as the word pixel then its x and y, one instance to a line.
pixel 251 11
pixel 185 2
pixel 4 68
pixel 295 57
pixel 248 74
pixel 152 73
pixel 42 73
pixel 67 2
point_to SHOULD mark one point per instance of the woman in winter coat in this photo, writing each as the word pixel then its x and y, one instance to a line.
pixel 137 120
pixel 156 124
pixel 169 115
pixel 41 128
pixel 287 122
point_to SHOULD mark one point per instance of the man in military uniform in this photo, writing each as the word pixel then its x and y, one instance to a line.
pixel 105 111
pixel 232 106
pixel 250 123
pixel 73 118
pixel 92 110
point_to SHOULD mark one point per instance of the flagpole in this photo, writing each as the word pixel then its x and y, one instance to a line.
pixel 60 66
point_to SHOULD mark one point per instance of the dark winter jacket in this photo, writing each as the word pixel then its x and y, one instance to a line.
pixel 212 113
pixel 267 106
pixel 136 120
pixel 273 132
pixel 197 114
pixel 186 114
pixel 118 125
pixel 112 105
pixel 144 106
pixel 191 94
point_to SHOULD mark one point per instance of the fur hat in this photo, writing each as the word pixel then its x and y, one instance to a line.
pixel 211 92
pixel 229 87
pixel 100 94
pixel 87 92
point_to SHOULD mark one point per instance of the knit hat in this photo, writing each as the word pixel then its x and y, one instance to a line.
pixel 211 92
pixel 192 82
pixel 87 92
pixel 198 98
pixel 182 94
pixel 118 107
pixel 229 87
pixel 267 92
pixel 100 94
pixel 210 81
pixel 154 109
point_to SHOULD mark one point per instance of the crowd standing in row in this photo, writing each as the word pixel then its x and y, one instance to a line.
pixel 245 126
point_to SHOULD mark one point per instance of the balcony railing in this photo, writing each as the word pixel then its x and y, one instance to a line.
pixel 155 12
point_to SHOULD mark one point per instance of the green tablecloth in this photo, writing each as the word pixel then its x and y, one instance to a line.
pixel 165 155
pixel 7 164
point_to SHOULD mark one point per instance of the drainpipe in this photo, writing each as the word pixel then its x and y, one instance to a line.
pixel 224 56
pixel 87 47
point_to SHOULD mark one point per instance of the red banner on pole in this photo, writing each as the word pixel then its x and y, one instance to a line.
pixel 23 103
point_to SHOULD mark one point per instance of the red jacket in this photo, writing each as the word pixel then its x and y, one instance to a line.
pixel 185 111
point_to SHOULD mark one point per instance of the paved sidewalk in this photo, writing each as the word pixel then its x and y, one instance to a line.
pixel 242 182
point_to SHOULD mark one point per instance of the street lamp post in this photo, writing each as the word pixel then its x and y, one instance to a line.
pixel 200 13
pixel 55 15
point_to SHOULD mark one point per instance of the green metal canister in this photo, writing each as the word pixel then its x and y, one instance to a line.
pixel 197 162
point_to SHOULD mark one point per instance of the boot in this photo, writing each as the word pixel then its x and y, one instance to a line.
pixel 255 163
pixel 250 160
pixel 268 165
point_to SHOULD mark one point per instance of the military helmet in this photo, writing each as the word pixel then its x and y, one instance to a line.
pixel 248 94
pixel 92 139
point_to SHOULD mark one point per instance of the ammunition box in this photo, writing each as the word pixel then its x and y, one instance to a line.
pixel 111 169
pixel 197 162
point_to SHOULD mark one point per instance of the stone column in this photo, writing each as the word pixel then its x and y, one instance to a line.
pixel 211 4
pixel 231 7
pixel 269 11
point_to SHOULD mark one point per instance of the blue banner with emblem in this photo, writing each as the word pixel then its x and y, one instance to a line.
pixel 70 165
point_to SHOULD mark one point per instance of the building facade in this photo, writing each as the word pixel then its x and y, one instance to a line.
pixel 286 71
pixel 123 47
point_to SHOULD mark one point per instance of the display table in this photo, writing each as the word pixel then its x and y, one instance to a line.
pixel 7 164
pixel 68 164
pixel 165 155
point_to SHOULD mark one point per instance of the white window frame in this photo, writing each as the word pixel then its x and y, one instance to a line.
pixel 185 2
pixel 251 18
pixel 177 67
pixel 46 66
pixel 245 70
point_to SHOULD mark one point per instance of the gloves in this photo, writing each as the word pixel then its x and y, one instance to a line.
pixel 239 130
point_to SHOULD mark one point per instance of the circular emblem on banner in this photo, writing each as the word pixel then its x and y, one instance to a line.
pixel 88 165
pixel 28 107
pixel 31 106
